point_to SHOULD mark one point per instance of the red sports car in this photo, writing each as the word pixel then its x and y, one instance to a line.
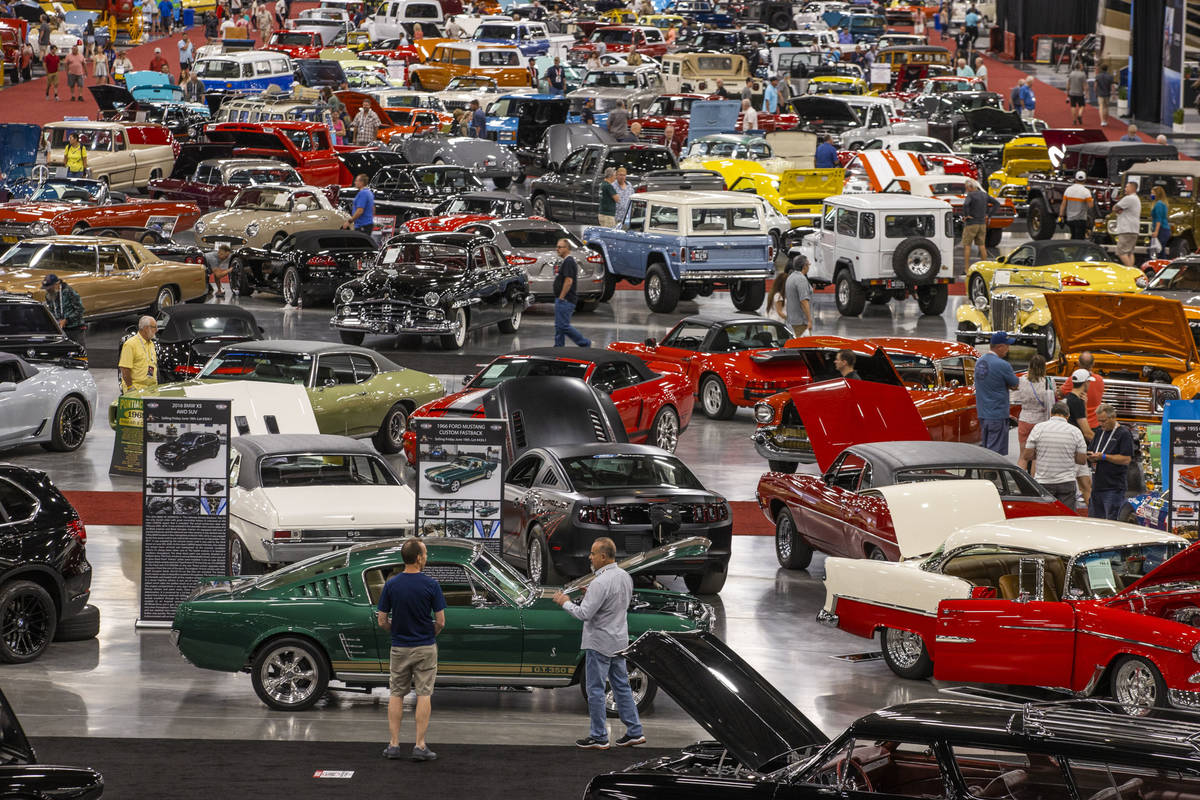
pixel 75 205
pixel 655 404
pixel 843 512
pixel 296 44
pixel 467 207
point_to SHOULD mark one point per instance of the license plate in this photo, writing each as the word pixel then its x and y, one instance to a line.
pixel 895 284
pixel 8 239
pixel 698 255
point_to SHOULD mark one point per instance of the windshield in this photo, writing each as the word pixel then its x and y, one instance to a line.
pixel 285 176
pixel 67 189
pixel 94 139
pixel 264 198
pixel 445 180
pixel 62 258
pixel 504 369
pixel 496 32
pixel 612 471
pixel 253 365
pixel 920 146
pixel 415 257
pixel 218 68
pixel 1179 275
pixel 670 106
pixel 1073 251
pixel 607 78
pixel 610 36
pixel 507 579
pixel 539 238
pixel 325 470
pixel 479 205
pixel 27 319
pixel 292 38
pixel 1104 573
pixel 640 161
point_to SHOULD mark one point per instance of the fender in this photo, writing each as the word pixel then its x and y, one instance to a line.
pixel 973 315
pixel 602 246
pixel 1040 317
pixel 657 250
pixel 287 630
pixel 45 577
pixel 843 263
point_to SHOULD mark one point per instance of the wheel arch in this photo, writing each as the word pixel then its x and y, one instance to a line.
pixel 91 412
pixel 844 264
pixel 288 632
pixel 659 256
pixel 1100 684
pixel 43 577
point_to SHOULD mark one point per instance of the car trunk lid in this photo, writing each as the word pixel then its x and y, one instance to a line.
pixel 1121 323
pixel 709 117
pixel 924 514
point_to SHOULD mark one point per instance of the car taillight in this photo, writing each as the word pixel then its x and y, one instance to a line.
pixel 595 258
pixel 595 515
pixel 193 260
pixel 322 261
pixel 76 529
pixel 709 512
pixel 1074 280
pixel 519 261
pixel 770 252
pixel 285 535
pixel 683 254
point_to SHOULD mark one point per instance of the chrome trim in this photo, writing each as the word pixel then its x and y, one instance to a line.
pixel 954 640
pixel 1034 628
pixel 907 609
pixel 827 618
pixel 1183 699
pixel 733 273
pixel 1110 637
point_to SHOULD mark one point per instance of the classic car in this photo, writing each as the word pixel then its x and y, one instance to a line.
pixel 487 510
pixel 81 205
pixel 655 407
pixel 981 131
pixel 183 485
pixel 985 585
pixel 845 511
pixel 353 391
pixel 216 181
pixel 933 153
pixel 189 448
pixel 305 145
pixel 909 389
pixel 677 242
pixel 750 44
pixel 667 111
pixel 953 190
pixel 188 335
pixel 468 207
pixel 296 43
pixel 952 749
pixel 113 277
pixel 518 121
pixel 719 357
pixel 647 40
pixel 951 108
pixel 485 158
pixel 441 284
pixel 123 156
pixel 461 90
pixel 937 84
pixel 29 330
pixel 268 214
pixel 570 190
pixel 432 509
pixel 500 629
pixel 559 499
pixel 1190 479
pixel 1177 279
pixel 405 192
pixel 48 405
pixel 559 141
pixel 395 123
pixel 1019 158
pixel 837 85
pixel 160 505
pixel 1178 180
pixel 210 487
pixel 850 119
pixel 304 267
pixel 602 88
pixel 451 59
pixel 288 493
pixel 462 470
pixel 1010 292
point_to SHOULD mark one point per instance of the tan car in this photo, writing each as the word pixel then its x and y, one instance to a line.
pixel 263 215
pixel 502 63
pixel 123 156
pixel 113 277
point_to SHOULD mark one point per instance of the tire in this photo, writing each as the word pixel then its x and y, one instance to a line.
pixel 1048 346
pixel 165 299
pixel 70 425
pixel 240 562
pixel 748 296
pixel 390 438
pixel 538 564
pixel 786 467
pixel 664 431
pixel 584 306
pixel 1178 247
pixel 661 290
pixel 83 626
pixel 28 620
pixel 520 179
pixel 503 182
pixel 1136 683
pixel 977 288
pixel 293 287
pixel 240 280
pixel 714 399
pixel 301 689
pixel 109 232
pixel 711 581
pixel 455 486
pixel 917 260
pixel 455 341
pixel 992 237
pixel 415 82
pixel 513 323
pixel 791 551
pixel 932 299
pixel 643 686
pixel 277 238
pixel 848 294
pixel 352 337
pixel 901 653
pixel 1041 222
pixel 610 287
pixel 540 207
pixel 875 554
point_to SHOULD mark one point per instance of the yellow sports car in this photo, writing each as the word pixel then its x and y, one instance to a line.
pixel 1009 293
pixel 837 84
pixel 619 16
pixel 795 193
pixel 1021 156
pixel 663 21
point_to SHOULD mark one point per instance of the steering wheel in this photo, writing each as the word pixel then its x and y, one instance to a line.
pixel 857 780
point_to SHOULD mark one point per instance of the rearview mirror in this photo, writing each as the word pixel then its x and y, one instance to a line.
pixel 651 342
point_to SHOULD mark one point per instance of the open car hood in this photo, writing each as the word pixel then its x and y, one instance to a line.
pixel 354 100
pixel 793 144
pixel 650 560
pixel 727 697
pixel 14 748
pixel 994 120
pixel 18 146
pixel 1058 139
pixel 1121 323
pixel 924 514
pixel 708 117
pixel 110 98
pixel 1184 566
pixel 811 108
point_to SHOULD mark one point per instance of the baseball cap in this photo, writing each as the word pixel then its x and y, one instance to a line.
pixel 158 49
pixel 1081 376
pixel 1081 176
pixel 999 337
pixel 49 280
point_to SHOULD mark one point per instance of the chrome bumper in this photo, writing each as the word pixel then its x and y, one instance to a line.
pixel 1018 337
pixel 732 274
pixel 1181 698
pixel 827 618
pixel 389 326
pixel 770 451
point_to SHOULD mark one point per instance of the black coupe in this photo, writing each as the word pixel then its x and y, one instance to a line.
pixel 188 335
pixel 306 266
pixel 405 191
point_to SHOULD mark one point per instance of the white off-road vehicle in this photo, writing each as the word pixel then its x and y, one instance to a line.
pixel 882 247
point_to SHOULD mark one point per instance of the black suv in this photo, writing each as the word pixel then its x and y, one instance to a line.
pixel 45 577
pixel 188 449
pixel 571 192
pixel 29 330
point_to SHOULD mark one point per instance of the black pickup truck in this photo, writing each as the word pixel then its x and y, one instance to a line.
pixel 572 192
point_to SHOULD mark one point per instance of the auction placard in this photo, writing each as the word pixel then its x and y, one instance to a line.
pixel 460 477
pixel 1184 486
pixel 185 502
pixel 128 444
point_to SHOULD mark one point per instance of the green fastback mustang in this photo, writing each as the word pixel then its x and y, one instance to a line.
pixel 353 391
pixel 464 469
pixel 300 627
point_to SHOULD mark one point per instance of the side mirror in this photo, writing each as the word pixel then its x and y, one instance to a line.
pixel 8 386
pixel 466 380
pixel 329 382
pixel 651 342
pixel 1002 259
pixel 605 387
pixel 228 203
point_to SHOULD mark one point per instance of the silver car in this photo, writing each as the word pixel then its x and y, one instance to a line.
pixel 48 405
pixel 531 243
pixel 637 86
pixel 485 158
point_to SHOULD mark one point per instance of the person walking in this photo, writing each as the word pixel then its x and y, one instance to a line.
pixel 362 215
pixel 1035 396
pixel 67 308
pixel 365 125
pixel 566 277
pixel 618 122
pixel 412 609
pixel 1160 225
pixel 1076 207
pixel 608 199
pixel 977 204
pixel 971 24
pixel 749 117
pixel 994 382
pixel 186 56
pixel 138 363
pixel 1077 93
pixel 1104 87
pixel 1110 456
pixel 51 62
pixel 624 192
pixel 219 268
pixel 776 301
pixel 1129 220
pixel 748 90
pixel 1014 96
pixel 604 612
pixel 556 77
pixel 121 65
pixel 1028 99
pixel 26 62
pixel 797 297
pixel 1058 450
pixel 75 157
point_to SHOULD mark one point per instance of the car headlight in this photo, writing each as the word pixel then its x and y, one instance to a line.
pixel 199 226
pixel 1112 227
pixel 1141 282
pixel 763 413
pixel 432 299
pixel 345 295
pixel 1196 652
pixel 994 184
pixel 980 303
pixel 1026 305
pixel 41 229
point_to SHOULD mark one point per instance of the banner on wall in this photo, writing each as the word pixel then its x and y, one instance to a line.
pixel 185 502
pixel 460 477
pixel 1174 17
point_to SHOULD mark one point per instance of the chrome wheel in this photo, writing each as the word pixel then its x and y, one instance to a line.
pixel 783 537
pixel 978 289
pixel 166 298
pixel 843 293
pixel 460 328
pixel 713 398
pixel 235 555
pixel 920 263
pixel 291 287
pixel 654 288
pixel 904 648
pixel 666 430
pixel 289 675
pixel 1135 685
pixel 535 561
pixel 639 684
pixel 397 424
pixel 71 426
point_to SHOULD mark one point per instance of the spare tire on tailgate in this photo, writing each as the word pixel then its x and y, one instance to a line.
pixel 917 260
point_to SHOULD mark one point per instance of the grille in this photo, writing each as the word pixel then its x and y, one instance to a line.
pixel 451 105
pixel 14 229
pixel 389 310
pixel 1135 398
pixel 654 135
pixel 1004 312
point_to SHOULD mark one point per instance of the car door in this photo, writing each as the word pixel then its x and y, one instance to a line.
pixel 681 345
pixel 584 188
pixel 558 194
pixel 335 394
pixel 628 252
pixel 20 414
pixel 822 517
pixel 482 636
pixel 519 509
pixel 129 286
pixel 368 411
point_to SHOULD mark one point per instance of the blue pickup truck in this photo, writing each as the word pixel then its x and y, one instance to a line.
pixel 531 38
pixel 702 11
pixel 682 244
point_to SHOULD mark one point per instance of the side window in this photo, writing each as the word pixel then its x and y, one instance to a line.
pixel 687 336
pixel 664 218
pixel 262 67
pixel 637 215
pixel 827 219
pixel 524 471
pixel 921 775
pixel 985 769
pixel 113 258
pixel 364 367
pixel 1093 779
pixel 573 164
pixel 335 370
pixel 492 258
pixel 16 505
pixel 847 472
pixel 549 478
pixel 866 225
pixel 1023 257
pixel 847 222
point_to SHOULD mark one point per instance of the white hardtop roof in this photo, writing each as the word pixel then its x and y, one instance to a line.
pixel 865 99
pixel 472 45
pixel 699 198
pixel 1062 536
pixel 901 139
pixel 877 201
pixel 247 55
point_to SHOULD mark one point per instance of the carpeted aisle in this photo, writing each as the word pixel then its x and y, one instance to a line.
pixel 270 770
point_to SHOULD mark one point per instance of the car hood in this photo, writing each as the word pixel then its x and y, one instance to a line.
pixel 925 514
pixel 811 108
pixel 615 92
pixel 993 120
pixel 651 559
pixel 341 506
pixel 32 211
pixel 793 144
pixel 111 98
pixel 1184 566
pixel 18 146
pixel 726 696
pixel 865 412
pixel 712 116
pixel 1121 323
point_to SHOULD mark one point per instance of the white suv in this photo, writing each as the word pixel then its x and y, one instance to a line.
pixel 880 247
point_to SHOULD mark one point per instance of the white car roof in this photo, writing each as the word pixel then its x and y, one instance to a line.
pixel 874 201
pixel 1062 536
pixel 695 198
pixel 895 138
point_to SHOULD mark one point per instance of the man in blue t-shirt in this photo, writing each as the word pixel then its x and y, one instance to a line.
pixel 826 154
pixel 418 614
pixel 362 216
pixel 994 379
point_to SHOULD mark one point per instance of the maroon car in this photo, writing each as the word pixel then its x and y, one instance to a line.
pixel 216 181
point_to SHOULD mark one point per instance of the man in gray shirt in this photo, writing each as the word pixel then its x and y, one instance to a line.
pixel 604 613
pixel 618 122
pixel 797 297
pixel 1077 93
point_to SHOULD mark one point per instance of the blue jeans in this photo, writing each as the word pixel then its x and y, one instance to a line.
pixel 993 434
pixel 598 668
pixel 1105 503
pixel 562 325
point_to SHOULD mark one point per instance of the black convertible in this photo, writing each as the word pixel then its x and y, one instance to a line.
pixel 306 266
pixel 404 191
pixel 188 335
pixel 441 284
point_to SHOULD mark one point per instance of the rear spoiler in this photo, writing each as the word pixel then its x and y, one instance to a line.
pixel 780 354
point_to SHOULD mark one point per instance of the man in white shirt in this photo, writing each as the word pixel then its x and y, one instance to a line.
pixel 1076 208
pixel 1129 220
pixel 749 117
pixel 1057 447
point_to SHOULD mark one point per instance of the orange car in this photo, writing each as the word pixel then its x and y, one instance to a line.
pixel 1190 479
pixel 500 62
pixel 396 121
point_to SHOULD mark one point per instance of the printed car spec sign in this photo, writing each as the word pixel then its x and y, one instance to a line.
pixel 128 444
pixel 1183 517
pixel 185 502
pixel 460 478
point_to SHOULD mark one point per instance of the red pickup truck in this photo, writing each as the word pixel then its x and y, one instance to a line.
pixel 296 44
pixel 13 32
pixel 646 40
pixel 304 145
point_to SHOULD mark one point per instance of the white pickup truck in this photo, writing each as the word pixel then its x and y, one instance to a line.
pixel 125 157
pixel 533 39
pixel 390 20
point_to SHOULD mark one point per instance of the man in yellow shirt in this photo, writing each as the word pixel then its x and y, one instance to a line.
pixel 138 364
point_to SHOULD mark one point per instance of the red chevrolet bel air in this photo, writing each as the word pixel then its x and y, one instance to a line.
pixel 76 205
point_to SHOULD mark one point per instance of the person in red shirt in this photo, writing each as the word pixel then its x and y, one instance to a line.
pixel 158 62
pixel 51 63
pixel 1095 391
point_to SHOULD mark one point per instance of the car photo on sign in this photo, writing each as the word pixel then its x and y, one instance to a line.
pixel 475 475
pixel 194 455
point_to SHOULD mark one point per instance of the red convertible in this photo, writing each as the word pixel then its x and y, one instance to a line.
pixel 844 512
pixel 74 205
pixel 297 44
pixel 655 404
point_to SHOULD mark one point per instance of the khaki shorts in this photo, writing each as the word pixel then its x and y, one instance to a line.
pixel 974 234
pixel 415 668
pixel 606 221
pixel 1126 242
